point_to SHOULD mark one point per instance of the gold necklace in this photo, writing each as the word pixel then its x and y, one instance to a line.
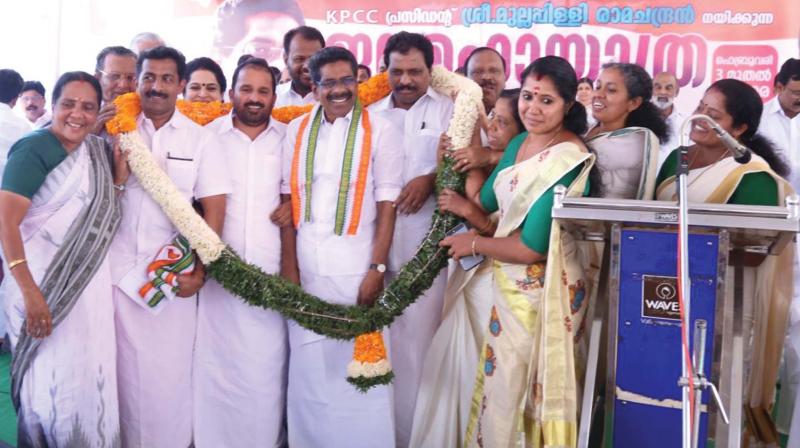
pixel 547 145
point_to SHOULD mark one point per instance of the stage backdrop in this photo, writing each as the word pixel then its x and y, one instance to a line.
pixel 700 41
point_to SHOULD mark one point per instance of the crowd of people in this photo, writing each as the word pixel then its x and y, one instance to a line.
pixel 484 357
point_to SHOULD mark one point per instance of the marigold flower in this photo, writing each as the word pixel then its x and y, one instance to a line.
pixel 203 113
pixel 128 108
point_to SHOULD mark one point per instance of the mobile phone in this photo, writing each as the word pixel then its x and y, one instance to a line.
pixel 468 262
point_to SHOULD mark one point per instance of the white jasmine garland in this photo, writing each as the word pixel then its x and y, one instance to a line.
pixel 357 369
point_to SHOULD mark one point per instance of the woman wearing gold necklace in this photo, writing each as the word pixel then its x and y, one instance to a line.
pixel 627 134
pixel 526 385
pixel 715 177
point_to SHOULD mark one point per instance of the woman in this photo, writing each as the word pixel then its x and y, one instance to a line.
pixel 625 138
pixel 58 214
pixel 205 81
pixel 549 153
pixel 715 177
pixel 584 96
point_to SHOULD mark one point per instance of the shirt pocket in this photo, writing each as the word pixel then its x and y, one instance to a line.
pixel 421 154
pixel 183 172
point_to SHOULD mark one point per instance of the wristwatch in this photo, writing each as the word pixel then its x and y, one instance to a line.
pixel 120 187
pixel 380 267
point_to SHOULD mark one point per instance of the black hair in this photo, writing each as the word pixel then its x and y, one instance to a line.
pixel 116 51
pixel 404 41
pixel 163 53
pixel 33 85
pixel 276 75
pixel 639 84
pixel 69 77
pixel 744 105
pixel 564 78
pixel 10 85
pixel 327 56
pixel 254 62
pixel 204 63
pixel 586 80
pixel 232 15
pixel 362 66
pixel 512 95
pixel 306 32
pixel 481 50
pixel 790 71
pixel 243 58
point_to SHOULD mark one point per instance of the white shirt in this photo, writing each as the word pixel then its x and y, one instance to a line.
pixel 254 169
pixel 46 118
pixel 285 96
pixel 422 125
pixel 319 250
pixel 785 134
pixel 674 122
pixel 12 128
pixel 192 158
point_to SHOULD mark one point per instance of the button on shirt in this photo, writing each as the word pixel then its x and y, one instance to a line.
pixel 12 128
pixel 785 134
pixel 193 160
pixel 422 125
pixel 254 168
pixel 286 96
pixel 319 250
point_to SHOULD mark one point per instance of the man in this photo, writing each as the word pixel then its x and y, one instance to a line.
pixel 342 246
pixel 299 45
pixel 254 27
pixel 154 350
pixel 33 102
pixel 780 121
pixel 422 115
pixel 12 126
pixel 115 69
pixel 665 90
pixel 241 353
pixel 364 73
pixel 145 41
pixel 487 67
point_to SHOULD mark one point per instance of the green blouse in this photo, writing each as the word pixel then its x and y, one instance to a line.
pixel 536 226
pixel 754 188
pixel 30 160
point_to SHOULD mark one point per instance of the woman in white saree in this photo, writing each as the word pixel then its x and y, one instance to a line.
pixel 58 212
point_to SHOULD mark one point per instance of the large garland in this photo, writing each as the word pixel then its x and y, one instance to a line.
pixel 273 292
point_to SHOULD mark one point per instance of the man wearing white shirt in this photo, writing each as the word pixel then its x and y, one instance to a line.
pixel 12 126
pixel 241 352
pixel 32 102
pixel 299 44
pixel 344 231
pixel 422 115
pixel 665 90
pixel 154 351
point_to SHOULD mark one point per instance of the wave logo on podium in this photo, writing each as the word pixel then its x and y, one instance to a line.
pixel 660 298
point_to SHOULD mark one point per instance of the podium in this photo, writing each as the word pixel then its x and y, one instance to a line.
pixel 636 312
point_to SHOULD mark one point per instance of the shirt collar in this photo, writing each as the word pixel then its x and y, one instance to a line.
pixel 177 120
pixel 227 125
pixel 429 95
pixel 773 106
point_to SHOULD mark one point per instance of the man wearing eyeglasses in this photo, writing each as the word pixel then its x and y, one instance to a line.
pixel 116 71
pixel 342 173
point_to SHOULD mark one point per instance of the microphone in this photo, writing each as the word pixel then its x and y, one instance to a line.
pixel 740 152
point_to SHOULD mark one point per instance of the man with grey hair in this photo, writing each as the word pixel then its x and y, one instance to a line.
pixel 145 41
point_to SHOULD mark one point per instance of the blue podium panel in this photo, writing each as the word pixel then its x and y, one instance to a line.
pixel 647 398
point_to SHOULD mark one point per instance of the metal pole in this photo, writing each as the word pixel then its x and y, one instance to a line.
pixel 700 329
pixel 683 237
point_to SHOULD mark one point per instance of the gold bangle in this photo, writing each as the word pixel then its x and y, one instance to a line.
pixel 473 246
pixel 15 263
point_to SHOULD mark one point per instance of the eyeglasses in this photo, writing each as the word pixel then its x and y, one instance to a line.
pixel 30 97
pixel 115 77
pixel 348 81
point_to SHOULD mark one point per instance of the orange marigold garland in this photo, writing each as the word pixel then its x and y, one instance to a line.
pixel 203 113
pixel 128 108
pixel 370 367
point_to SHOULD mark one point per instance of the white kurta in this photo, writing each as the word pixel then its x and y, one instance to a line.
pixel 285 96
pixel 154 363
pixel 412 332
pixel 323 409
pixel 241 351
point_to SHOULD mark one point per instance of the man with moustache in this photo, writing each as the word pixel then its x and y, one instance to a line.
pixel 299 44
pixel 115 68
pixel 344 222
pixel 33 102
pixel 665 90
pixel 422 115
pixel 154 350
pixel 241 351
pixel 487 67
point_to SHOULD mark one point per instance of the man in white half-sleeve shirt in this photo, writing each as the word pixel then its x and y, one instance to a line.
pixel 241 352
pixel 299 44
pixel 422 115
pixel 344 218
pixel 12 126
pixel 665 91
pixel 154 351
